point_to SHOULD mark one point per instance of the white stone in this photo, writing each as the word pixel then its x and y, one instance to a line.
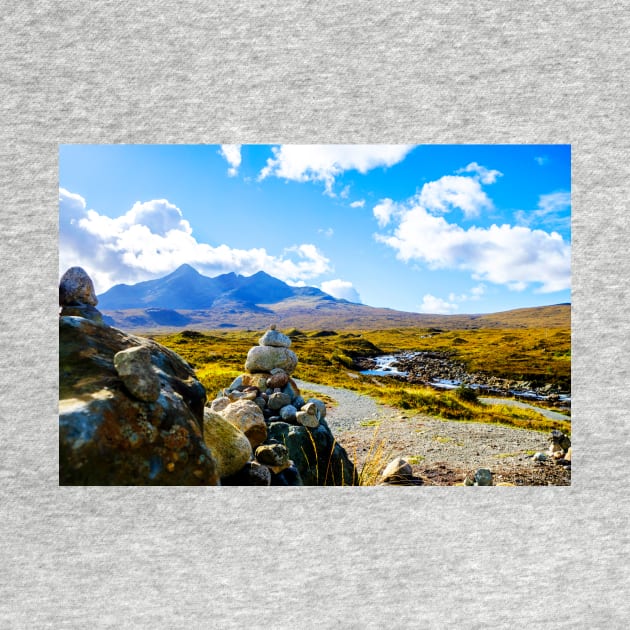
pixel 265 358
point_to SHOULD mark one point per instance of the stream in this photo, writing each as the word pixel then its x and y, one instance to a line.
pixel 440 372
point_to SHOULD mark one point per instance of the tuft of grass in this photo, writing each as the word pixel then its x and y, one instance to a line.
pixel 370 423
pixel 467 394
pixel 415 459
pixel 444 439
pixel 378 456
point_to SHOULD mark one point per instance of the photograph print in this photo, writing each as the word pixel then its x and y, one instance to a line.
pixel 297 315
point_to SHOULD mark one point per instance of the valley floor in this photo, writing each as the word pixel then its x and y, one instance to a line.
pixel 441 452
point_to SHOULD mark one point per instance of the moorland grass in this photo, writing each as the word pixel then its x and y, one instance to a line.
pixel 535 354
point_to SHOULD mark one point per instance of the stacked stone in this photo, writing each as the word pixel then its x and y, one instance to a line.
pixel 263 395
pixel 76 295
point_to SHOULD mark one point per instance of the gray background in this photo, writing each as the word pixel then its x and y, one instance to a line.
pixel 342 72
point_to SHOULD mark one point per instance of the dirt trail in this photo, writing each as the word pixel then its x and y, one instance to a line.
pixel 442 452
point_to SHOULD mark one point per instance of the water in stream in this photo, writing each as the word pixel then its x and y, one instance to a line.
pixel 386 366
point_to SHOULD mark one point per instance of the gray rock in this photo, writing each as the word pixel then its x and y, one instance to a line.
pixel 266 358
pixel 539 457
pixel 134 368
pixel 237 395
pixel 306 419
pixel 237 383
pixel 278 400
pixel 398 471
pixel 559 441
pixel 274 338
pixel 311 409
pixel 483 477
pixel 76 287
pixel 291 389
pixel 321 406
pixel 288 414
pixel 87 311
pixel 252 474
pixel 276 456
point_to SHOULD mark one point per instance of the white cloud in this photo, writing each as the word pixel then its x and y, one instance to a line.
pixel 541 160
pixel 554 202
pixel 358 204
pixel 327 232
pixel 341 289
pixel 153 238
pixel 473 295
pixel 232 154
pixel 514 256
pixel 454 191
pixel 436 305
pixel 323 163
pixel 384 211
pixel 485 176
pixel 553 211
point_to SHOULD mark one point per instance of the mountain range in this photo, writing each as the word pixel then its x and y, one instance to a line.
pixel 187 289
pixel 186 298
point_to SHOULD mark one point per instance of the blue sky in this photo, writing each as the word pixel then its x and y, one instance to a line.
pixel 422 228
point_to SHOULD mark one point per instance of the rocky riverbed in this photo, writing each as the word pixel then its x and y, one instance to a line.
pixel 442 371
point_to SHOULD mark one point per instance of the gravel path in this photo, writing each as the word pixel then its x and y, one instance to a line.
pixel 430 444
pixel 351 409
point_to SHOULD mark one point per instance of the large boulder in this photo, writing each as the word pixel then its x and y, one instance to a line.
pixel 319 459
pixel 108 435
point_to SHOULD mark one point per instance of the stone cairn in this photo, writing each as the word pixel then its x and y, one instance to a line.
pixel 265 394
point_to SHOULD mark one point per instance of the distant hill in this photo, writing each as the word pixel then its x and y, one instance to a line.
pixel 187 299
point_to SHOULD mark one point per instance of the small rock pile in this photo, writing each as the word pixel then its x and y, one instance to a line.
pixel 290 441
pixel 268 384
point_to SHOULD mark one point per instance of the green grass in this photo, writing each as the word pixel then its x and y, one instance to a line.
pixel 415 459
pixel 370 423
